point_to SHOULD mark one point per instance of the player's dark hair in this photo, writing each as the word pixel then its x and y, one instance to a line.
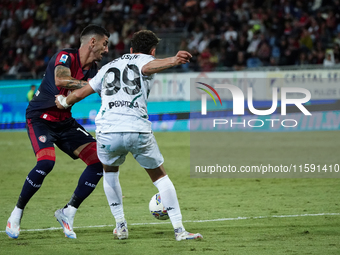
pixel 94 29
pixel 144 41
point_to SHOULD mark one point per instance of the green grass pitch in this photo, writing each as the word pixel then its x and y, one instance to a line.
pixel 202 200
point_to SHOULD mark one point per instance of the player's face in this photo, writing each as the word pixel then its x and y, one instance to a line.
pixel 100 48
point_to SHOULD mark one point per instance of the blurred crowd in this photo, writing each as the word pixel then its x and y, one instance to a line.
pixel 220 34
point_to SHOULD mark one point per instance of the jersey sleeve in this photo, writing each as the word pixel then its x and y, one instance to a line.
pixel 144 60
pixel 96 81
pixel 64 59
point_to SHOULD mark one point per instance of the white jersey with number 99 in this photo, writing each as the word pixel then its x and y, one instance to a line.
pixel 124 91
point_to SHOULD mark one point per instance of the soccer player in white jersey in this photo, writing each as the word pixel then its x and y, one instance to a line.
pixel 122 125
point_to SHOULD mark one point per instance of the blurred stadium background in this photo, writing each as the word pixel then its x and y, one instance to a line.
pixel 262 44
pixel 291 43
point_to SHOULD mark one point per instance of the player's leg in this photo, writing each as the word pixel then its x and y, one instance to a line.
pixel 78 143
pixel 45 162
pixel 114 195
pixel 150 157
pixel 86 184
pixel 168 194
pixel 91 174
pixel 112 154
pixel 169 199
pixel 42 143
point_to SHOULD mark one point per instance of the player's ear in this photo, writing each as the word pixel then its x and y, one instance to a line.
pixel 153 52
pixel 92 42
pixel 131 50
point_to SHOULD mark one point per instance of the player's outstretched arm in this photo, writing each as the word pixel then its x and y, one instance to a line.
pixel 159 65
pixel 63 102
pixel 63 78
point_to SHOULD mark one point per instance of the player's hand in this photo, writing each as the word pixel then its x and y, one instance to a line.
pixel 182 57
pixel 57 102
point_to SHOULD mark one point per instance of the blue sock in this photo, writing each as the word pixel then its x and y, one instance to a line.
pixel 87 183
pixel 34 181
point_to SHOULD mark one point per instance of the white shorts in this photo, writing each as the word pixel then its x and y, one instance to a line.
pixel 112 149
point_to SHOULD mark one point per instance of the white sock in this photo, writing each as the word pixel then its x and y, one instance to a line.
pixel 17 213
pixel 113 192
pixel 169 199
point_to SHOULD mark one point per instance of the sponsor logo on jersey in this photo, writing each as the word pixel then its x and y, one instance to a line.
pixel 122 103
pixel 63 58
pixel 42 138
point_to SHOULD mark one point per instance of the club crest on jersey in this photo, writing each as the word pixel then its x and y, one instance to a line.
pixel 42 138
pixel 63 58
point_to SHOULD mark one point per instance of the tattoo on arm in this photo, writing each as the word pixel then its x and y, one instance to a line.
pixel 74 84
pixel 62 71
pixel 63 74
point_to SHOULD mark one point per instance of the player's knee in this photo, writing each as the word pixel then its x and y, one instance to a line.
pixel 157 173
pixel 46 154
pixel 45 159
pixel 96 167
pixel 89 155
pixel 45 165
pixel 110 169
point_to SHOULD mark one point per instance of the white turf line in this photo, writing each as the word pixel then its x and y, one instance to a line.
pixel 191 221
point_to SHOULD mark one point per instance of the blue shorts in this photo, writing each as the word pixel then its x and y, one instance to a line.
pixel 68 135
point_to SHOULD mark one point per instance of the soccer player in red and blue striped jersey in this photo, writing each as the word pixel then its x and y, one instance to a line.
pixel 68 69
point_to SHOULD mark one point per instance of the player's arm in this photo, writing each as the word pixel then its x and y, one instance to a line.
pixel 63 78
pixel 159 65
pixel 63 102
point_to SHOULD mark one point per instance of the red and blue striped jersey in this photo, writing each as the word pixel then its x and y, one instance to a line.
pixel 42 105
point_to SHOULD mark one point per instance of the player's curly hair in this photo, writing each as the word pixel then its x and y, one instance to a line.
pixel 144 41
